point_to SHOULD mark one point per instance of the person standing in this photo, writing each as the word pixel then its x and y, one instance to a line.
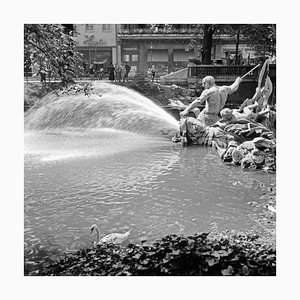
pixel 149 74
pixel 91 71
pixel 127 70
pixel 153 71
pixel 101 73
pixel 111 73
pixel 118 72
pixel 42 73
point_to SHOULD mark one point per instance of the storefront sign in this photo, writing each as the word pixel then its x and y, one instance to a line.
pixel 130 49
pixel 91 41
pixel 233 49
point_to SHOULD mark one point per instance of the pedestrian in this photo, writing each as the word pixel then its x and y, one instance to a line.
pixel 127 70
pixel 149 73
pixel 42 73
pixel 91 71
pixel 122 70
pixel 111 73
pixel 101 72
pixel 118 72
pixel 153 71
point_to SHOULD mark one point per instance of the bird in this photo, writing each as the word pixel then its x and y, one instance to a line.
pixel 115 238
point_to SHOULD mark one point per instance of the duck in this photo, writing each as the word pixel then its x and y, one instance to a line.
pixel 115 238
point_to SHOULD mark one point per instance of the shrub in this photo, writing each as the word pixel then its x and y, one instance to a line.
pixel 141 84
pixel 216 255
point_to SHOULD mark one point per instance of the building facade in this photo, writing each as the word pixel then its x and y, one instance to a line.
pixel 97 43
pixel 142 46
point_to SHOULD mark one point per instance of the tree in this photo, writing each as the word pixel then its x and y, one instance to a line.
pixel 208 32
pixel 237 31
pixel 51 47
pixel 203 35
pixel 262 37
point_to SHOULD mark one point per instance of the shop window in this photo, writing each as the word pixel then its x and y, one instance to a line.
pixel 134 57
pixel 106 27
pixel 126 57
pixel 157 55
pixel 180 55
pixel 89 27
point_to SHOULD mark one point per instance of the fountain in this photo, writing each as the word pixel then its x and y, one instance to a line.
pixel 109 106
pixel 103 159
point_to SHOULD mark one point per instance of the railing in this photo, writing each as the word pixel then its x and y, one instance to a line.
pixel 220 71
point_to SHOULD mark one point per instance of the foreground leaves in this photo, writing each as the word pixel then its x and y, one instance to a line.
pixel 219 255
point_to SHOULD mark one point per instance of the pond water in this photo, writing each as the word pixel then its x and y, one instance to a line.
pixel 126 181
pixel 120 180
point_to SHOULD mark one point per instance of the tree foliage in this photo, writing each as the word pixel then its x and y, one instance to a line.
pixel 202 40
pixel 261 37
pixel 51 47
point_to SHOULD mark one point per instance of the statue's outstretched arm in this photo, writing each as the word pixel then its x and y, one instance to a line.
pixel 196 103
pixel 235 85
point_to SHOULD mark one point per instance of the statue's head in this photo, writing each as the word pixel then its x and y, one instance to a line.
pixel 226 113
pixel 208 82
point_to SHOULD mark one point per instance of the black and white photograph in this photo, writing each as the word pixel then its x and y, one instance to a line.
pixel 150 149
pixel 148 155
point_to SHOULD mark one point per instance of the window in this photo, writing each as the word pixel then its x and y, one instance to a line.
pixel 106 27
pixel 126 57
pixel 134 57
pixel 157 55
pixel 180 55
pixel 89 27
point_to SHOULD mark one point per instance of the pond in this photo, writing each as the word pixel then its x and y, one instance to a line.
pixel 124 180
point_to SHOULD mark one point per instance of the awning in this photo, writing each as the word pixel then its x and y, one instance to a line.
pixel 100 62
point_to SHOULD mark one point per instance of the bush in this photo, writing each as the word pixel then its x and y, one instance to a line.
pixel 219 255
pixel 144 86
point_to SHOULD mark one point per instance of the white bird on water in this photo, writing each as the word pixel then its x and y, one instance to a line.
pixel 115 238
